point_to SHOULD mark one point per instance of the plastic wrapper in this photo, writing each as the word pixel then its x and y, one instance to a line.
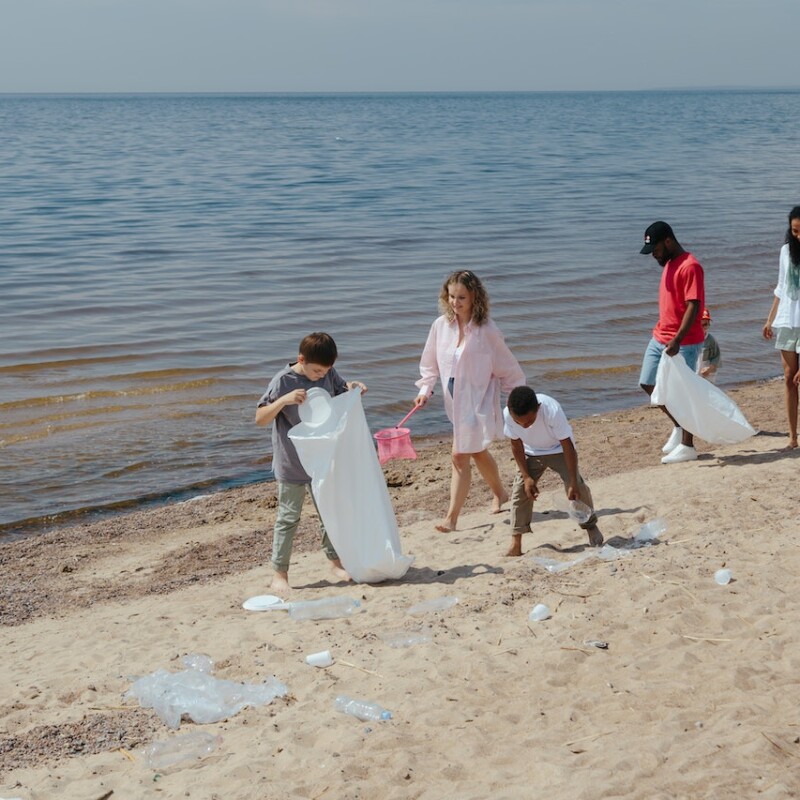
pixel 199 695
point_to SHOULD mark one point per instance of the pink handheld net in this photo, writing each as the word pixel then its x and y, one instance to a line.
pixel 395 442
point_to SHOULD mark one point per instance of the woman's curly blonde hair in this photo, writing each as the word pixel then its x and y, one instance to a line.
pixel 472 283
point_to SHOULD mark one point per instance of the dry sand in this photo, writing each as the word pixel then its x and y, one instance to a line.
pixel 693 697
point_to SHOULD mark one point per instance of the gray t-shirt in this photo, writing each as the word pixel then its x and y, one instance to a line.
pixel 285 461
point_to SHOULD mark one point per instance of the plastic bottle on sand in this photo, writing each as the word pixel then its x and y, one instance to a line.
pixel 324 608
pixel 434 604
pixel 405 638
pixel 361 709
pixel 187 747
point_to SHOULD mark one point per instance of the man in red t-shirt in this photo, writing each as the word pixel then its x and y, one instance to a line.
pixel 681 298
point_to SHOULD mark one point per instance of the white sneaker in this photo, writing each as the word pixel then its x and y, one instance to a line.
pixel 673 441
pixel 680 453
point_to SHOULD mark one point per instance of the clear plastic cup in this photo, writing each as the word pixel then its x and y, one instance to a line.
pixel 539 612
pixel 321 659
pixel 723 577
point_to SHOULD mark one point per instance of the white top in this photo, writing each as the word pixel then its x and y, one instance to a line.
pixel 788 315
pixel 457 356
pixel 544 437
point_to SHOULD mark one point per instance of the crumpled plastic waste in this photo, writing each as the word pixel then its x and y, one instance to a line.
pixel 198 695
pixel 646 536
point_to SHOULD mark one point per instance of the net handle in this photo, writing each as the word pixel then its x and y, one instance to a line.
pixel 407 416
pixel 416 408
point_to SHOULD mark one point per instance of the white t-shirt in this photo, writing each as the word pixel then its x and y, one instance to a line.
pixel 543 438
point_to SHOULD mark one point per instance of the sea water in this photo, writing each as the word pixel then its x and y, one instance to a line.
pixel 161 256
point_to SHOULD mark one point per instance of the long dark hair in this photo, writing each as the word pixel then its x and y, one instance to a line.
pixel 794 244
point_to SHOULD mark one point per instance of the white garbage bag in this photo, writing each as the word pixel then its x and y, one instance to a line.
pixel 336 449
pixel 697 405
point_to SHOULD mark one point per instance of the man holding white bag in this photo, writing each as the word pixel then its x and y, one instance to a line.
pixel 681 298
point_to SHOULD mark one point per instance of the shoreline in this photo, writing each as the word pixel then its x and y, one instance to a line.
pixel 607 444
pixel 88 607
pixel 23 529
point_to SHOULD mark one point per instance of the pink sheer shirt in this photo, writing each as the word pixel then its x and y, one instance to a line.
pixel 486 366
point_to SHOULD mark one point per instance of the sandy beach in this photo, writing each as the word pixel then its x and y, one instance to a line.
pixel 692 696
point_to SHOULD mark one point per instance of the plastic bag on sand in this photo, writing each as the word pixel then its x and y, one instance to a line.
pixel 350 490
pixel 698 405
pixel 200 696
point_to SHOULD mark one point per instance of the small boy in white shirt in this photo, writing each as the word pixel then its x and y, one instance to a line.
pixel 541 438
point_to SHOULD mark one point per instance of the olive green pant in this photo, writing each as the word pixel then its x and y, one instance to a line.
pixel 290 506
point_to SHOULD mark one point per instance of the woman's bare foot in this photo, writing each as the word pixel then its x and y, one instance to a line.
pixel 280 582
pixel 445 526
pixel 516 545
pixel 339 572
pixel 497 502
pixel 791 446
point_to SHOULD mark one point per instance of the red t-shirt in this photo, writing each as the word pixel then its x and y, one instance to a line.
pixel 681 280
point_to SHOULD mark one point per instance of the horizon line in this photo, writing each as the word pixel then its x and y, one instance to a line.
pixel 717 88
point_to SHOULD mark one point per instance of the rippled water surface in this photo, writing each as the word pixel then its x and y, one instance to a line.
pixel 162 256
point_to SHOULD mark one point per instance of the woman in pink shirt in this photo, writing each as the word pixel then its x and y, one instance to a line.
pixel 466 350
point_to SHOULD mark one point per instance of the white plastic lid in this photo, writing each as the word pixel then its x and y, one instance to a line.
pixel 262 602
pixel 316 408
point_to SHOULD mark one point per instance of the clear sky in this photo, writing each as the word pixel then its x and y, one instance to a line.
pixel 394 45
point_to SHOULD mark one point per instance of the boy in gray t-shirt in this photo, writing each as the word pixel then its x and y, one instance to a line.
pixel 278 405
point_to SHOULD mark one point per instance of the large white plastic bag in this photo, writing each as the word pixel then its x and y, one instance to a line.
pixel 350 491
pixel 697 405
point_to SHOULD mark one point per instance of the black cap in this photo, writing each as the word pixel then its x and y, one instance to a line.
pixel 654 234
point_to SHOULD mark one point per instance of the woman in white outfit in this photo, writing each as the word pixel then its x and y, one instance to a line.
pixel 784 318
pixel 467 352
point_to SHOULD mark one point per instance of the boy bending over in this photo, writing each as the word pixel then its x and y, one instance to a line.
pixel 541 437
pixel 278 406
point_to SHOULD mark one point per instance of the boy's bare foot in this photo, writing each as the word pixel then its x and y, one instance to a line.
pixel 280 582
pixel 339 572
pixel 595 537
pixel 497 502
pixel 516 545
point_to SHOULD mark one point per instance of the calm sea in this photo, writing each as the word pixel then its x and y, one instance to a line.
pixel 161 256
